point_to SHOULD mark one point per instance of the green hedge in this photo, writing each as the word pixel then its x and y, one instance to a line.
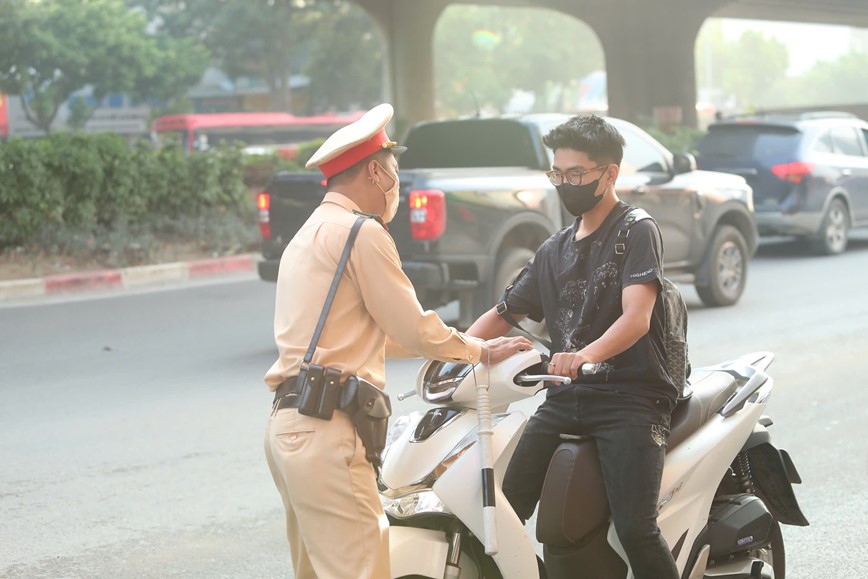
pixel 99 183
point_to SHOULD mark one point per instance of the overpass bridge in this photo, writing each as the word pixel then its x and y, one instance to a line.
pixel 648 45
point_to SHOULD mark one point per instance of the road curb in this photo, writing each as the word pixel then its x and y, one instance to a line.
pixel 130 277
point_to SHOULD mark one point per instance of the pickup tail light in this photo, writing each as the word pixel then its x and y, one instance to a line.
pixel 427 214
pixel 263 202
pixel 793 172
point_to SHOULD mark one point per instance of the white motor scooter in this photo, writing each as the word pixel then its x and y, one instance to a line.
pixel 725 488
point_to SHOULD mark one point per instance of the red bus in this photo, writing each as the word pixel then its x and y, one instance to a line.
pixel 274 131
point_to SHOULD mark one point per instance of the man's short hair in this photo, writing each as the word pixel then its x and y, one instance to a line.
pixel 588 134
pixel 350 173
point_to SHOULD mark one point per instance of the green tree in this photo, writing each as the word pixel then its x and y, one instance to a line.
pixel 748 67
pixel 483 54
pixel 79 113
pixel 264 39
pixel 50 50
pixel 180 18
pixel 841 81
pixel 756 62
pixel 345 64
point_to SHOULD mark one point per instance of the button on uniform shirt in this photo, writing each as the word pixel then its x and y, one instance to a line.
pixel 374 300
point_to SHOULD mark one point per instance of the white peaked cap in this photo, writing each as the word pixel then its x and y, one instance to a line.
pixel 356 141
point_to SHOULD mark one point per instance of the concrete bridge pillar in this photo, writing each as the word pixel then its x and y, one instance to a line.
pixel 649 49
pixel 408 30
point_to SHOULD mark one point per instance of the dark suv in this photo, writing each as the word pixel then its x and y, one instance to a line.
pixel 809 173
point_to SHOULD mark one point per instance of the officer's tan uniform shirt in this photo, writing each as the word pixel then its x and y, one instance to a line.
pixel 374 300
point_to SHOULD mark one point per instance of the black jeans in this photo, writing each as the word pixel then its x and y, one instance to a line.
pixel 630 432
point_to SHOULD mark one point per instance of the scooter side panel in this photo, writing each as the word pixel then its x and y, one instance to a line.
pixel 695 466
pixel 694 469
pixel 418 459
pixel 417 552
pixel 460 489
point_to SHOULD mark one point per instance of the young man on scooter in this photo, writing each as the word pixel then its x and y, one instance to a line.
pixel 597 313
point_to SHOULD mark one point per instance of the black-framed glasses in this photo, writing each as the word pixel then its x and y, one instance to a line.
pixel 573 177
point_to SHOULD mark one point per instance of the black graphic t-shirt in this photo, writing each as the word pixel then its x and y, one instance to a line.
pixel 576 287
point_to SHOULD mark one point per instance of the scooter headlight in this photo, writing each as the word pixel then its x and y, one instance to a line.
pixel 441 380
pixel 423 502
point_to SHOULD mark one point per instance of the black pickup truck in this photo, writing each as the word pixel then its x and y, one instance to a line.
pixel 475 205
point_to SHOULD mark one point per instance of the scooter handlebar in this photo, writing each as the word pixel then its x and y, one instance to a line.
pixel 585 370
pixel 590 369
pixel 534 378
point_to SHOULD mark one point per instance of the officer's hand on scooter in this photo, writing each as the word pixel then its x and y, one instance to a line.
pixel 499 349
pixel 567 364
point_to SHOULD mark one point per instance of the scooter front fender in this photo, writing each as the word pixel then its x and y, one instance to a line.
pixel 417 552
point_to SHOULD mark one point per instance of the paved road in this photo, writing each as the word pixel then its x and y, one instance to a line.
pixel 132 425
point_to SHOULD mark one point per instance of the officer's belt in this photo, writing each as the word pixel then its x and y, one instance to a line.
pixel 287 395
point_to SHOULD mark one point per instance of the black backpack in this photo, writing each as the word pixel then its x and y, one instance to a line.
pixel 674 311
pixel 676 364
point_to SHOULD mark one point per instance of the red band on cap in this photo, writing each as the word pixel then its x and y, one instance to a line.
pixel 352 156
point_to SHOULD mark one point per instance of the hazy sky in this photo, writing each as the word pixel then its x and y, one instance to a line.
pixel 827 42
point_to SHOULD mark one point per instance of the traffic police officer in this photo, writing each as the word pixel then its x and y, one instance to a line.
pixel 334 520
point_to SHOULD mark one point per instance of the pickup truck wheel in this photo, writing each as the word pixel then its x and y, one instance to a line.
pixel 509 264
pixel 725 268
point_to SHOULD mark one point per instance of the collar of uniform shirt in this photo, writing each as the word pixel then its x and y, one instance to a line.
pixel 350 205
pixel 342 200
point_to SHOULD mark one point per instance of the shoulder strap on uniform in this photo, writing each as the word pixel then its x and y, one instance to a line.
pixel 345 256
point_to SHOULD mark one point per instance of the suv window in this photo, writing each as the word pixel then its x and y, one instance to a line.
pixel 768 144
pixel 640 155
pixel 823 144
pixel 846 141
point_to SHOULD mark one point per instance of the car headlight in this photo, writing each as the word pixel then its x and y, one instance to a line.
pixel 424 502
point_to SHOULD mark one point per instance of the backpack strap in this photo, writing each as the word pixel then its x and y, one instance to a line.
pixel 633 215
pixel 503 312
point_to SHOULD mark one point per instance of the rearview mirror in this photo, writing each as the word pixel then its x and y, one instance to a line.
pixel 684 163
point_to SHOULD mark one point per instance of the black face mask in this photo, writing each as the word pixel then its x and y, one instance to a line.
pixel 579 199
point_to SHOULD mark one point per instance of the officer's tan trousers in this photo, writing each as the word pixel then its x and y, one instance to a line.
pixel 334 520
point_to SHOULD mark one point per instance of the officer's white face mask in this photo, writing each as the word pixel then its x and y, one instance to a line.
pixel 391 195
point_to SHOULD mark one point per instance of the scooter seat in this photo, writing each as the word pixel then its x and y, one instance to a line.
pixel 573 502
pixel 710 392
pixel 574 510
